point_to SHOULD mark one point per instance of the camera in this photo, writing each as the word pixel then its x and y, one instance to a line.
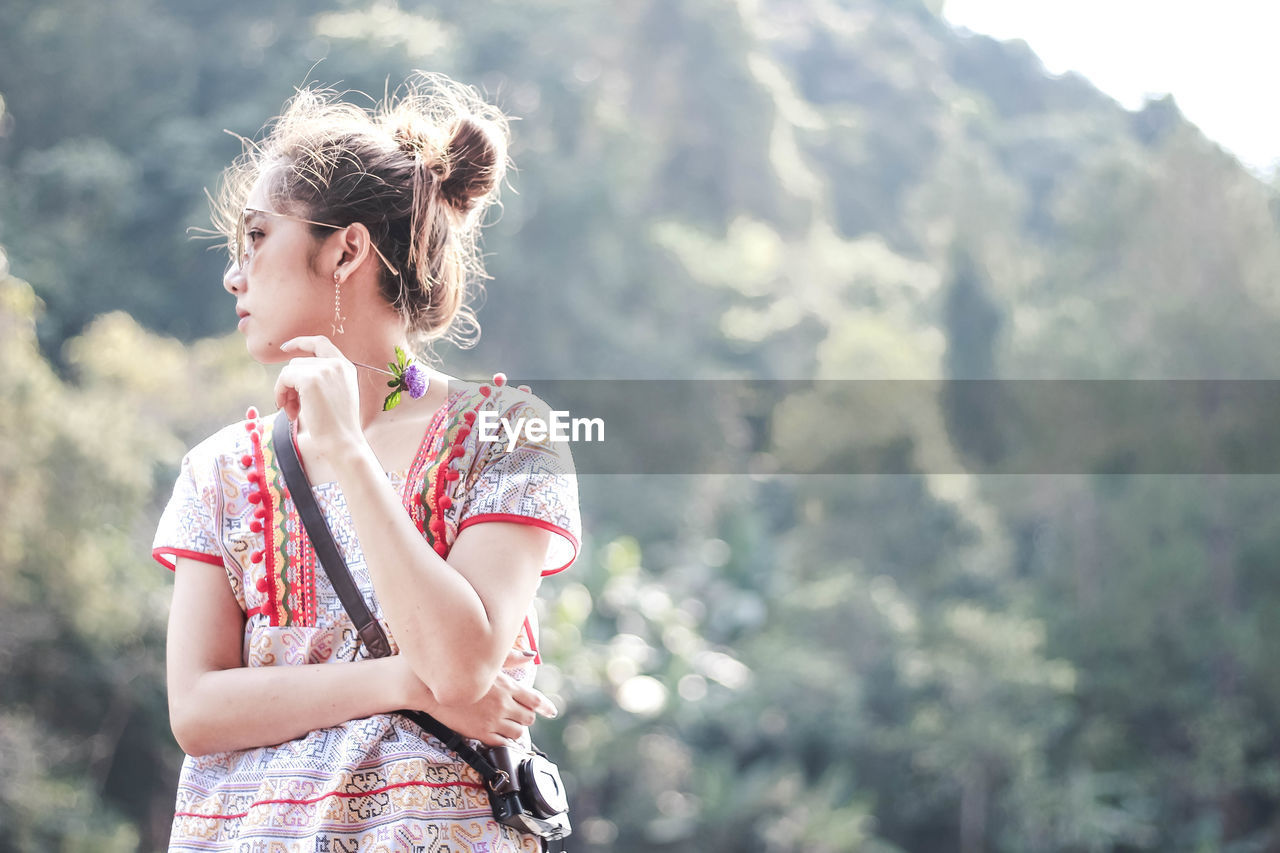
pixel 529 794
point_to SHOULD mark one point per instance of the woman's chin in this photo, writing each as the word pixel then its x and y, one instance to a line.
pixel 265 352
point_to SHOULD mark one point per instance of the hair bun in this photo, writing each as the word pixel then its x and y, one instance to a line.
pixel 415 137
pixel 475 162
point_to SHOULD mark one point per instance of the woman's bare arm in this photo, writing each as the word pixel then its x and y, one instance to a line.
pixel 216 703
pixel 454 620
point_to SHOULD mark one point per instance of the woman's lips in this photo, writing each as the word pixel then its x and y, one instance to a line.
pixel 244 321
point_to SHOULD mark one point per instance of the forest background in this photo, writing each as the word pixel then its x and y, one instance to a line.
pixel 930 655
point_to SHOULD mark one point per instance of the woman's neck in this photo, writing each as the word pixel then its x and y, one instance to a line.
pixel 373 352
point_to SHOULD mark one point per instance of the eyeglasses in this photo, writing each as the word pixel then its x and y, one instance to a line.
pixel 243 250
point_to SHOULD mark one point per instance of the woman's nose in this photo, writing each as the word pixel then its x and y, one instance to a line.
pixel 233 278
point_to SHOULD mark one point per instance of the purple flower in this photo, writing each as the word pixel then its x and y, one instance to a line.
pixel 414 381
pixel 405 375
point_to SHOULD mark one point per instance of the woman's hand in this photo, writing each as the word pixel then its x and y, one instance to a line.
pixel 502 716
pixel 322 381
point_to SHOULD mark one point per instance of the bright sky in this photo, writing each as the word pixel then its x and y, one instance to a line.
pixel 1220 61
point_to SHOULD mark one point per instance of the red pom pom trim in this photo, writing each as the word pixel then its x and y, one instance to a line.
pixel 246 461
pixel 262 584
pixel 485 390
pixel 257 557
pixel 499 378
pixel 469 417
pixel 251 413
pixel 255 527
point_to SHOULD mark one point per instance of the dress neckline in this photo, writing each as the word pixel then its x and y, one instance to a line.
pixel 433 427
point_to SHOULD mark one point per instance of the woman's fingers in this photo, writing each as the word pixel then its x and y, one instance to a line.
pixel 292 383
pixel 321 376
pixel 511 733
pixel 525 697
pixel 286 393
pixel 311 345
pixel 535 702
pixel 504 733
pixel 517 658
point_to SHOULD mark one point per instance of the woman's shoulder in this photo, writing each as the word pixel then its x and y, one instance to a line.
pixel 495 395
pixel 512 421
pixel 231 441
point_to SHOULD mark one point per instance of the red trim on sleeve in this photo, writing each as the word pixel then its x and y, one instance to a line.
pixel 533 644
pixel 160 553
pixel 525 519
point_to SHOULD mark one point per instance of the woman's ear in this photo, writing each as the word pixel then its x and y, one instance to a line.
pixel 357 245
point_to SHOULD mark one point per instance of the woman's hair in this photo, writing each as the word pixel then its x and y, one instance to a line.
pixel 419 169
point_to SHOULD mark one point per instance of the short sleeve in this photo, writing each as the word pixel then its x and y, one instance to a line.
pixel 187 527
pixel 532 482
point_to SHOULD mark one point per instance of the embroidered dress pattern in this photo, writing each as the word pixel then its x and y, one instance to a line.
pixel 376 784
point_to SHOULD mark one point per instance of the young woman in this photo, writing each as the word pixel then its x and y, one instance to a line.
pixel 353 233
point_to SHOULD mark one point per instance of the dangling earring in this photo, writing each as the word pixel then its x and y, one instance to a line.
pixel 338 319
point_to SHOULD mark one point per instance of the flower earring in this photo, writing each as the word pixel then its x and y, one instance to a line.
pixel 338 319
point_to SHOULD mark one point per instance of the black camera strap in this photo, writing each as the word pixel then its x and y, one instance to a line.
pixel 370 631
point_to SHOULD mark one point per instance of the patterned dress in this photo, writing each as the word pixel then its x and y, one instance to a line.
pixel 378 783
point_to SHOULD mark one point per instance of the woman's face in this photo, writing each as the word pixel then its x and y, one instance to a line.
pixel 278 295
